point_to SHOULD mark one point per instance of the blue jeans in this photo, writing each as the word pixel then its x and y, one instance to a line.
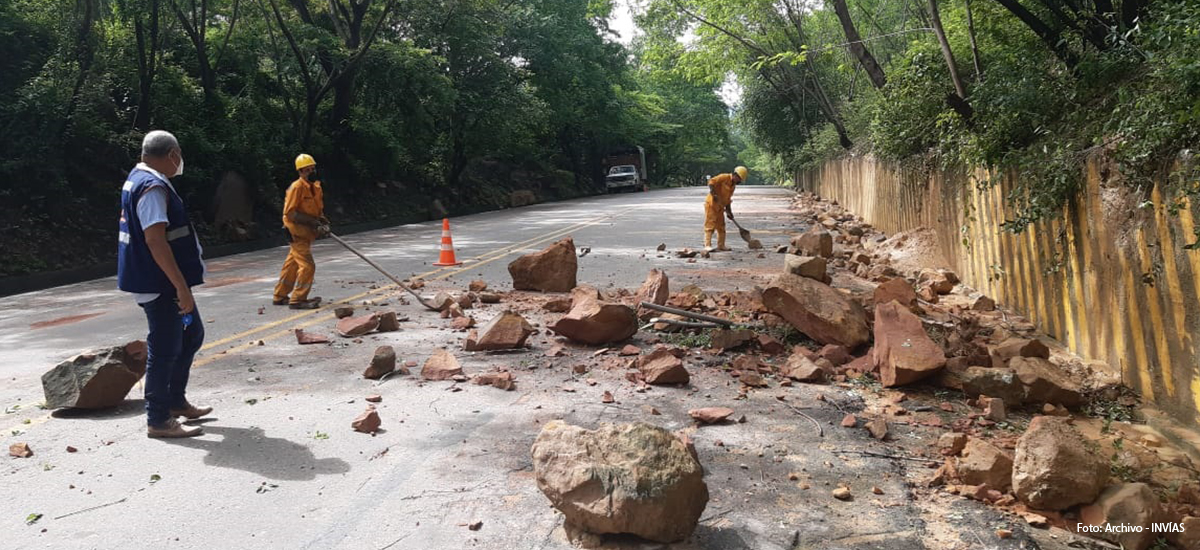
pixel 170 349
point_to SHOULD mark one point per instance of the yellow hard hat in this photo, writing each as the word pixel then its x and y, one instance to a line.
pixel 741 171
pixel 304 161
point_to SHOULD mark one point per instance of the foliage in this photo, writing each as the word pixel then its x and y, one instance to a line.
pixel 403 102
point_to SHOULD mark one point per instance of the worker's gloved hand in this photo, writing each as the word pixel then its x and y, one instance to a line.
pixel 323 230
pixel 729 214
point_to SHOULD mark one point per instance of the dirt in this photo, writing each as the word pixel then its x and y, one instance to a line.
pixel 63 320
pixel 914 250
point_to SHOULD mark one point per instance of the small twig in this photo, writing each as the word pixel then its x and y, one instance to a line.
pixel 884 455
pixel 396 541
pixel 92 508
pixel 820 430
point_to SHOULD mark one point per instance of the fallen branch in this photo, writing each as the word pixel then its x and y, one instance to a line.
pixel 820 431
pixel 885 455
pixel 90 509
pixel 686 313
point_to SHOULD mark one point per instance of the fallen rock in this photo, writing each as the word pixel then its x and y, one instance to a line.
pixel 1017 347
pixel 388 322
pixel 878 428
pixel 994 410
pixel 343 312
pixel 728 339
pixel 985 464
pixel 661 366
pixel 507 331
pixel 800 368
pixel 489 298
pixel 1046 383
pixel 22 450
pixel 753 380
pixel 303 338
pixel 352 327
pixel 904 353
pixel 630 350
pixel 462 323
pixel 442 301
pixel 656 289
pixel 710 415
pixel 896 289
pixel 553 269
pixel 1190 536
pixel 952 443
pixel 501 379
pixel 815 242
pixel 983 303
pixel 477 286
pixel 95 380
pixel 843 493
pixel 634 478
pixel 1053 468
pixel 594 322
pixel 812 267
pixel 835 354
pixel 940 281
pixel 1001 383
pixel 375 398
pixel 368 422
pixel 558 305
pixel 770 345
pixel 817 310
pixel 442 365
pixel 849 421
pixel 1125 504
pixel 382 363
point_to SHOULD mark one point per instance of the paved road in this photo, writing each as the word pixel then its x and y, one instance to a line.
pixel 279 466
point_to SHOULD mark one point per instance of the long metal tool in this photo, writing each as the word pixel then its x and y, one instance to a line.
pixel 742 232
pixel 384 271
pixel 686 313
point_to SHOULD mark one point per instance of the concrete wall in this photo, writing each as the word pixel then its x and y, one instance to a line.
pixel 1109 279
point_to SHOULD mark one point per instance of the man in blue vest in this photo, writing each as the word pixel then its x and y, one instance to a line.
pixel 159 261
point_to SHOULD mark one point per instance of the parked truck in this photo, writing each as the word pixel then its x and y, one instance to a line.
pixel 625 170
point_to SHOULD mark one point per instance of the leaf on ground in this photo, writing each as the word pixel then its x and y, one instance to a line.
pixel 155 478
pixel 32 518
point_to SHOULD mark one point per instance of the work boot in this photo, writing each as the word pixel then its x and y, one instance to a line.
pixel 190 411
pixel 708 241
pixel 173 429
pixel 311 303
pixel 721 243
pixel 280 301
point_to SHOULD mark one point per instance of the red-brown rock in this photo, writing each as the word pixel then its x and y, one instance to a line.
pixel 710 415
pixel 1130 504
pixel 770 345
pixel 835 354
pixel 662 367
pixel 656 289
pixel 477 286
pixel 1053 469
pixel 812 267
pixel 442 365
pixel 353 327
pixel 728 339
pixel 507 331
pixel 951 443
pixel 815 242
pixel 1018 347
pixel 382 363
pixel 462 323
pixel 817 310
pixel 904 353
pixel 553 269
pixel 368 422
pixel 1046 383
pixel 594 322
pixel 342 312
pixel 303 338
pixel 389 322
pixel 501 379
pixel 558 305
pixel 896 289
pixel 22 450
pixel 800 367
pixel 984 463
pixel 630 350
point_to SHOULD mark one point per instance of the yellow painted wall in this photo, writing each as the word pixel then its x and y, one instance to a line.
pixel 1109 279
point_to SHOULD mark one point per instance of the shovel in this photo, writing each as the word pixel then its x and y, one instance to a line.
pixel 744 233
pixel 381 270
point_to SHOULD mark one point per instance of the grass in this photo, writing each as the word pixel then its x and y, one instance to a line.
pixel 1109 411
pixel 699 339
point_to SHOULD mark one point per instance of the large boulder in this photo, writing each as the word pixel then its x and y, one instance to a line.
pixel 985 464
pixel 1130 504
pixel 97 379
pixel 812 267
pixel 592 321
pixel 1046 383
pixel 507 331
pixel 904 352
pixel 896 289
pixel 1018 347
pixel 656 289
pixel 1053 469
pixel 633 478
pixel 815 242
pixel 551 270
pixel 817 310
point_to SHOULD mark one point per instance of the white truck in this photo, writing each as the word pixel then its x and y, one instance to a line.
pixel 625 170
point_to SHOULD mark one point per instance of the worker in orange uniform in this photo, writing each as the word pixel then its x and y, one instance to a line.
pixel 720 197
pixel 304 218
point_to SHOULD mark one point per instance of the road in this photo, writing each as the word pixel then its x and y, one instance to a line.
pixel 279 466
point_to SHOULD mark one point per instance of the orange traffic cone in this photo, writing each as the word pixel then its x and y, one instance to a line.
pixel 447 255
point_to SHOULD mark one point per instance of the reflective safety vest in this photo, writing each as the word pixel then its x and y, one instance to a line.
pixel 136 269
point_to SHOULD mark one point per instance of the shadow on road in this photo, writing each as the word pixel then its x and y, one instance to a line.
pixel 250 450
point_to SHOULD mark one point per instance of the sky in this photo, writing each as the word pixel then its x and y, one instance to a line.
pixel 622 22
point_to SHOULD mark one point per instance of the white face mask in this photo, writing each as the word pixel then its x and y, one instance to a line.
pixel 179 171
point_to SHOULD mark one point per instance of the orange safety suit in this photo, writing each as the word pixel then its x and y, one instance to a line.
pixel 296 277
pixel 720 196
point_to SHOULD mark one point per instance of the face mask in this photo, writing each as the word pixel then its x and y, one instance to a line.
pixel 312 176
pixel 179 171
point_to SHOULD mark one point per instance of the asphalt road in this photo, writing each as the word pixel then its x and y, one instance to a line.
pixel 279 466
